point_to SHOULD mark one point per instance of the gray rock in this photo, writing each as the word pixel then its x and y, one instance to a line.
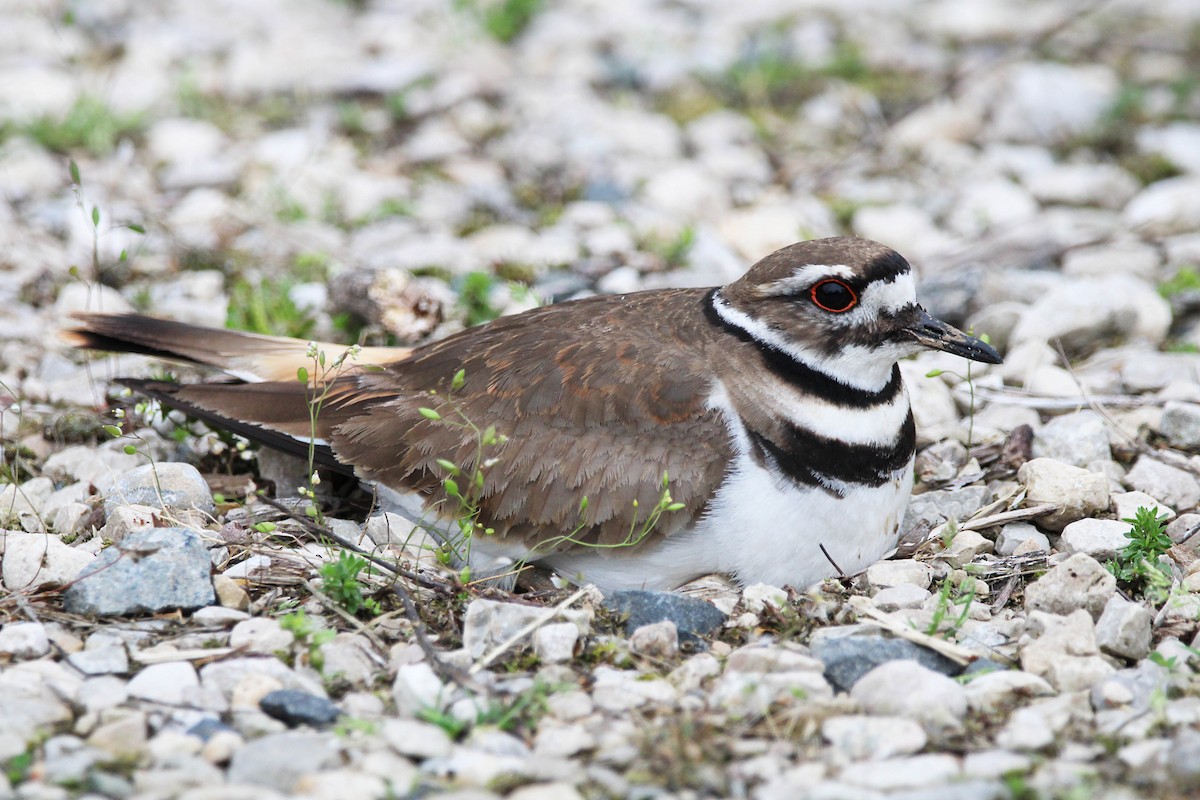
pixel 964 548
pixel 848 658
pixel 1045 102
pixel 1082 312
pixel 1012 535
pixel 170 485
pixel 693 618
pixel 293 707
pixel 416 739
pixel 151 571
pixel 1181 424
pixel 103 655
pixel 1183 527
pixel 1126 504
pixel 280 760
pixel 930 698
pixel 863 738
pixel 1038 725
pixel 1077 439
pixel 1178 489
pixel 1123 630
pixel 1077 492
pixel 1080 582
pixel 1004 689
pixel 940 461
pixel 894 598
pixel 1101 539
pixel 1183 760
pixel 418 687
pixel 934 508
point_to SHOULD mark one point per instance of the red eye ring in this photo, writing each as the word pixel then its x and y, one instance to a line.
pixel 834 296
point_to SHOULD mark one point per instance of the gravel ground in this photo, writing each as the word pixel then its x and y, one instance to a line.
pixel 397 170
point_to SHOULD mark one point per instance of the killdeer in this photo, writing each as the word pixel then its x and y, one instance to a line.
pixel 774 405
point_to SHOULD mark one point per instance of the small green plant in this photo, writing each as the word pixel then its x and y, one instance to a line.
pixel 308 635
pixel 504 20
pixel 639 529
pixel 89 124
pixel 463 486
pixel 265 306
pixel 1185 279
pixel 1137 565
pixel 475 297
pixel 339 579
pixel 320 381
pixel 949 596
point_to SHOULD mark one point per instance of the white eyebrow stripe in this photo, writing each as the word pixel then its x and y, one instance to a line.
pixel 804 277
pixel 892 296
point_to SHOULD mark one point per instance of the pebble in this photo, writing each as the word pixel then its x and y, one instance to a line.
pixel 1176 488
pixel 936 702
pixel 151 571
pixel 1124 629
pixel 1080 582
pixel 1126 504
pixel 656 640
pixel 32 559
pixel 555 643
pixel 489 623
pixel 295 708
pixel 693 618
pixel 906 595
pixel 278 761
pixel 1076 492
pixel 848 658
pixel 174 683
pixel 24 640
pixel 1001 690
pixel 1102 539
pixel 903 572
pixel 1077 439
pixel 1021 534
pixel 415 739
pixel 170 486
pixel 1064 651
pixel 861 738
pixel 1181 424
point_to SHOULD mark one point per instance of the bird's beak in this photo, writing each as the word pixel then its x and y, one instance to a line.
pixel 937 335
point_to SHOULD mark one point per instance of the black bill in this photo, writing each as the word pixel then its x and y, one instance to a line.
pixel 933 333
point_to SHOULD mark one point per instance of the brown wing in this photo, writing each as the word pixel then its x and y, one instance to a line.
pixel 589 411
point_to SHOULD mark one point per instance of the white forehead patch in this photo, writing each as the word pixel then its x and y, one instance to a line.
pixel 893 296
pixel 803 277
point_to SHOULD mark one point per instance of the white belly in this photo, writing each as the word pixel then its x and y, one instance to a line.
pixel 760 530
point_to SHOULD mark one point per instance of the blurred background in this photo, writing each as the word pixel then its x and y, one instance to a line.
pixel 392 171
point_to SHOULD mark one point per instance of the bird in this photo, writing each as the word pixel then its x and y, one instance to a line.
pixel 759 429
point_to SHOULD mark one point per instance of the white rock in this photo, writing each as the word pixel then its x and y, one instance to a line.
pixel 1037 725
pixel 1083 312
pixel 416 739
pixel 173 683
pixel 555 643
pixel 261 635
pixel 24 640
pixel 994 764
pixel 938 703
pixel 906 595
pixel 863 738
pixel 1176 488
pixel 418 687
pixel 489 623
pixel 964 548
pixel 895 774
pixel 31 559
pixel 1129 257
pixel 1123 630
pixel 1080 582
pixel 758 596
pixel 1125 505
pixel 1165 207
pixel 1065 651
pixel 1014 534
pixel 1178 142
pixel 1077 439
pixel 1101 539
pixel 1104 185
pixel 1077 492
pixel 1181 424
pixel 885 574
pixel 1047 102
pixel 657 640
pixel 1001 690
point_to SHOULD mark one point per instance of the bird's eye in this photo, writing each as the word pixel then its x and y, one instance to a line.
pixel 834 295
